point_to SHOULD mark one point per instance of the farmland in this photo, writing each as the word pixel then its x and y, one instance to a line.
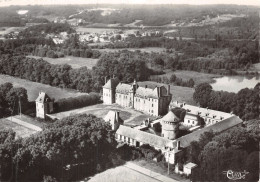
pixel 34 88
pixel 146 49
pixel 74 62
pixel 196 76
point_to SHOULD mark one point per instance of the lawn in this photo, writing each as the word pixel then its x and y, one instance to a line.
pixel 74 62
pixel 20 131
pixel 34 88
pixel 121 174
pixel 182 94
pixel 256 67
pixel 130 116
pixel 146 49
pixel 159 168
pixel 196 76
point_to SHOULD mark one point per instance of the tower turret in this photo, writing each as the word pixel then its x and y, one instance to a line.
pixel 170 125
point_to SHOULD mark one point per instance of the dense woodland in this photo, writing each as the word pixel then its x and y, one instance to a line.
pixel 67 150
pixel 236 149
pixel 9 99
pixel 244 104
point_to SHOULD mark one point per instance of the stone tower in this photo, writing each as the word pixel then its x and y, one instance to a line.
pixel 44 105
pixel 132 93
pixel 109 91
pixel 170 125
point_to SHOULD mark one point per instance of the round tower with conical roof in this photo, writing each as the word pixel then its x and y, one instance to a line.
pixel 170 125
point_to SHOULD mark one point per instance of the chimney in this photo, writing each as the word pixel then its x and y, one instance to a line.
pixel 117 116
pixel 159 91
pixel 168 91
pixel 145 86
pixel 178 145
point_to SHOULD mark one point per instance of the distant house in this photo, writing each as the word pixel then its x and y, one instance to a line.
pixel 44 105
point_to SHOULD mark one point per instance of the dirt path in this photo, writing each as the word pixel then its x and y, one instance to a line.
pixel 25 124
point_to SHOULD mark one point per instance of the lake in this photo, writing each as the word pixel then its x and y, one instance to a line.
pixel 234 83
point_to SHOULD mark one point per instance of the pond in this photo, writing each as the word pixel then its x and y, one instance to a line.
pixel 234 83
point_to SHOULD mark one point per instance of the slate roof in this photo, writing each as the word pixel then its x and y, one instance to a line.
pixel 190 165
pixel 147 92
pixel 218 127
pixel 111 83
pixel 144 137
pixel 113 117
pixel 204 112
pixel 123 88
pixel 170 117
pixel 43 98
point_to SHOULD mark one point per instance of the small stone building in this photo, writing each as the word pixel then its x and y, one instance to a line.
pixel 114 119
pixel 188 168
pixel 190 120
pixel 44 105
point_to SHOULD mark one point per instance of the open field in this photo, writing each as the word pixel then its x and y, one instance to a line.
pixel 20 130
pixel 94 30
pixel 33 88
pixel 154 166
pixel 129 116
pixel 74 62
pixel 196 76
pixel 147 49
pixel 122 174
pixel 182 94
pixel 256 67
pixel 7 30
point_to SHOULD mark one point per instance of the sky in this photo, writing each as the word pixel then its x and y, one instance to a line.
pixel 195 2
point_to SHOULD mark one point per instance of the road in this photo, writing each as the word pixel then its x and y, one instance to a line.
pixel 25 124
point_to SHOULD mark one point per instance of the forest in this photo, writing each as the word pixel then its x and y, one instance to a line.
pixel 10 97
pixel 244 104
pixel 66 150
pixel 236 149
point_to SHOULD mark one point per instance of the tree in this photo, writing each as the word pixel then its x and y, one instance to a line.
pixel 202 94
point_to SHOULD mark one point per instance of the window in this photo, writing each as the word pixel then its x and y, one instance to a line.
pixel 192 122
pixel 188 121
pixel 152 105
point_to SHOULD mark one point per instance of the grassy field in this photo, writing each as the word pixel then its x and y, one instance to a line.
pixel 147 49
pixel 74 62
pixel 121 174
pixel 129 116
pixel 256 67
pixel 154 166
pixel 34 88
pixel 182 94
pixel 196 76
pixel 20 131
pixel 94 30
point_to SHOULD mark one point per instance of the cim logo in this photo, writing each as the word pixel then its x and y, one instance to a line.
pixel 233 175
